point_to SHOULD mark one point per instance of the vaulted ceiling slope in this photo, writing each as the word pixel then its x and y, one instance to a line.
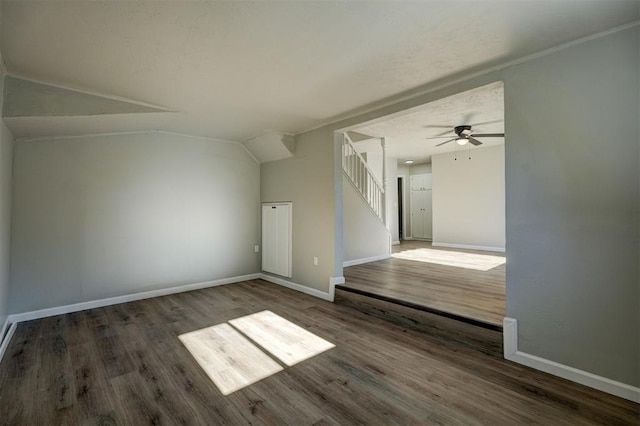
pixel 232 70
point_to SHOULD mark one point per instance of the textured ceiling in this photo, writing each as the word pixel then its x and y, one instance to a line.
pixel 235 69
pixel 406 134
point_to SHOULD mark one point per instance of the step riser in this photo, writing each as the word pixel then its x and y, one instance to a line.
pixel 484 340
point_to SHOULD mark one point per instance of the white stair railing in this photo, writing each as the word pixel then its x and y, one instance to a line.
pixel 362 178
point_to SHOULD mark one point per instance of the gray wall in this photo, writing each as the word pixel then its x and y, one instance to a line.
pixel 572 189
pixel 96 217
pixel 307 180
pixel 468 198
pixel 364 235
pixel 6 160
pixel 572 206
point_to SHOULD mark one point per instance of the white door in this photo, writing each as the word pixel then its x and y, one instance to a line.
pixel 428 214
pixel 276 238
pixel 417 214
pixel 416 182
pixel 421 182
pixel 421 214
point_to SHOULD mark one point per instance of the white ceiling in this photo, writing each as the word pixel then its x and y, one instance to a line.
pixel 406 134
pixel 235 69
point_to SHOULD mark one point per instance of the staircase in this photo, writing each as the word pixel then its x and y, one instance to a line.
pixel 362 178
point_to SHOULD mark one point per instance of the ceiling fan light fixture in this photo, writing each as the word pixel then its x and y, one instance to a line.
pixel 462 141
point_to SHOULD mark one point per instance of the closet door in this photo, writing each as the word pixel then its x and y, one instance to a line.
pixel 417 214
pixel 428 215
pixel 416 182
pixel 421 206
pixel 276 238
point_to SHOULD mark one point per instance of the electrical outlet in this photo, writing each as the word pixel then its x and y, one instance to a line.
pixel 315 260
pixel 256 248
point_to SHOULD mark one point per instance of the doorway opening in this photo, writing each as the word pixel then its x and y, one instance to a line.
pixel 444 162
pixel 400 189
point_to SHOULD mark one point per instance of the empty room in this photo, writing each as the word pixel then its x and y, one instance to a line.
pixel 186 185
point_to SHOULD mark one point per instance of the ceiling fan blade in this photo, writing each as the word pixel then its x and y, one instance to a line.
pixel 437 126
pixel 450 140
pixel 474 141
pixel 442 137
pixel 487 122
pixel 445 133
pixel 488 135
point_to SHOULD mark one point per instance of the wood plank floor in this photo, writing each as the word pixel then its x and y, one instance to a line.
pixel 125 364
pixel 466 283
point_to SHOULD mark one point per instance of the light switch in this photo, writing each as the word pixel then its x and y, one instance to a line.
pixel 315 261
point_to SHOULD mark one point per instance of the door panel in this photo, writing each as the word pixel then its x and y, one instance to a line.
pixel 276 239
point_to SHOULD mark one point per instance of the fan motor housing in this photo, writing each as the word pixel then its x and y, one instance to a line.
pixel 460 129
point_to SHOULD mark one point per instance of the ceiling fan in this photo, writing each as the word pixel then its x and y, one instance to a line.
pixel 464 134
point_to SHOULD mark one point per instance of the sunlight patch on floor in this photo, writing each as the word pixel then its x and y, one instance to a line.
pixel 232 361
pixel 283 339
pixel 479 262
pixel 229 359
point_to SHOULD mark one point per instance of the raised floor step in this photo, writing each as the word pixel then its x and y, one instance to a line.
pixel 487 338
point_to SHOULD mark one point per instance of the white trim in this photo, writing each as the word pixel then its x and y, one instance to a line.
pixel 5 335
pixel 298 287
pixel 365 260
pixel 333 282
pixel 429 88
pixel 469 247
pixel 404 207
pixel 81 306
pixel 13 320
pixel 7 339
pixel 511 352
pixel 395 243
pixel 136 132
pixel 132 132
pixel 510 336
pixel 336 280
pixel 5 326
pixel 207 138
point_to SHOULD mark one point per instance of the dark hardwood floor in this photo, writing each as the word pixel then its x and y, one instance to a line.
pixel 465 283
pixel 124 364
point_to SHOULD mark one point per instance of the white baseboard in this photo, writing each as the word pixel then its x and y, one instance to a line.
pixel 395 243
pixel 336 281
pixel 6 339
pixel 511 352
pixel 469 247
pixel 42 313
pixel 298 287
pixel 14 319
pixel 365 260
pixel 4 329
